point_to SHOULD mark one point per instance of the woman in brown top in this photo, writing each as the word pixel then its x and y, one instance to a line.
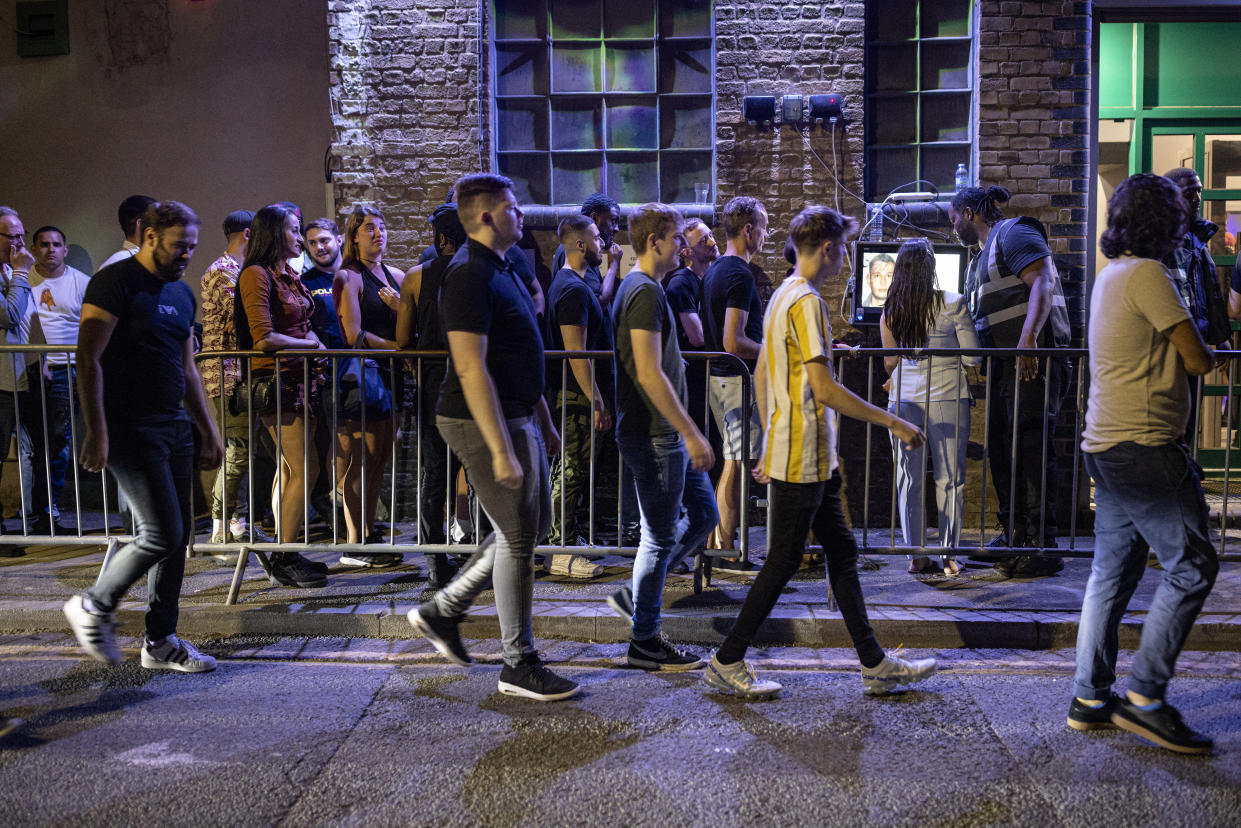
pixel 273 314
pixel 368 295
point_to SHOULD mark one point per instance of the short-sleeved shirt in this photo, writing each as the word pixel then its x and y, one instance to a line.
pixel 799 437
pixel 58 303
pixel 219 288
pixel 593 278
pixel 143 369
pixel 729 283
pixel 482 295
pixel 640 305
pixel 571 302
pixel 684 290
pixel 1138 389
pixel 999 299
pixel 323 318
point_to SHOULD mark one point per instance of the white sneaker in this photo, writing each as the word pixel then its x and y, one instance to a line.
pixel 894 671
pixel 574 566
pixel 174 654
pixel 461 529
pixel 95 631
pixel 739 680
pixel 240 530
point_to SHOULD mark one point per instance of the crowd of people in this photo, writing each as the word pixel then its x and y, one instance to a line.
pixel 492 412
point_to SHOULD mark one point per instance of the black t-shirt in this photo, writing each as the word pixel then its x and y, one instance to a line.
pixel 640 305
pixel 571 302
pixel 729 283
pixel 143 368
pixel 482 295
pixel 593 278
pixel 323 319
pixel 684 293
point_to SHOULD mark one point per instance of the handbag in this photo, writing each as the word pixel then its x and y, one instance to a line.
pixel 359 382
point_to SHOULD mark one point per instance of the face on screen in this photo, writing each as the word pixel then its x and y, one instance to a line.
pixel 878 269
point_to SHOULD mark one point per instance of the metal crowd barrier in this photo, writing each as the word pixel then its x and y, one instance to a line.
pixel 1211 441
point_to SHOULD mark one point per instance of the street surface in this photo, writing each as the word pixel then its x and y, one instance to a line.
pixel 382 732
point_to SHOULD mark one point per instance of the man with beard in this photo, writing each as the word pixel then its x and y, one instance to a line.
pixel 576 322
pixel 605 213
pixel 684 290
pixel 139 390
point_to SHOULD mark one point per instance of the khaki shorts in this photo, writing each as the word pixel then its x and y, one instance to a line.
pixel 730 419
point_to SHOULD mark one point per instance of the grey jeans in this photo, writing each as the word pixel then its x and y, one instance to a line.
pixel 520 517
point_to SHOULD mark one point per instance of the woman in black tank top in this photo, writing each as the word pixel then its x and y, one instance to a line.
pixel 367 295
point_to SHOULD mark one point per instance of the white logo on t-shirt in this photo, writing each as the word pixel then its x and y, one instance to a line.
pixel 170 310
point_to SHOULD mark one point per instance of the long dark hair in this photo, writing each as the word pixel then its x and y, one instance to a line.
pixel 1146 217
pixel 267 246
pixel 913 301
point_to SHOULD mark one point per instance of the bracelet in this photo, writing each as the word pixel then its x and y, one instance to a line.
pixel 21 272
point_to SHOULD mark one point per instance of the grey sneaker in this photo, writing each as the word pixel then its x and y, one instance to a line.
pixel 621 603
pixel 95 631
pixel 174 654
pixel 894 671
pixel 739 680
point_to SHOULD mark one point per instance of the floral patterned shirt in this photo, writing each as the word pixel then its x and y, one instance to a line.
pixel 219 333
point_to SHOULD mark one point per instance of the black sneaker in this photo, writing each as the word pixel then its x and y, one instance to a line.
pixel 443 633
pixel 733 566
pixel 290 570
pixel 658 654
pixel 1029 566
pixel 621 603
pixel 1082 717
pixel 1163 726
pixel 531 680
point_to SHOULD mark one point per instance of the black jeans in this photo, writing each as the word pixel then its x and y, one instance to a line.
pixel 1029 418
pixel 797 508
pixel 154 466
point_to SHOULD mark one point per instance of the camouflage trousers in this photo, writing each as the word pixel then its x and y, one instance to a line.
pixel 571 479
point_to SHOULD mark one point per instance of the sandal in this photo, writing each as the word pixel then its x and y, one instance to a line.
pixel 919 565
pixel 951 567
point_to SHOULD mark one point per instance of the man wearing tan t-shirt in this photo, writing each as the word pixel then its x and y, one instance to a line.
pixel 1142 343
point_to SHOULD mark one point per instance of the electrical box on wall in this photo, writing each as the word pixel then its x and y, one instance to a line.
pixel 42 28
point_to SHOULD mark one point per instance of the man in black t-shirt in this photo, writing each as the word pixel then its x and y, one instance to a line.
pixel 1016 300
pixel 576 322
pixel 684 290
pixel 658 441
pixel 605 213
pixel 733 322
pixel 492 414
pixel 139 390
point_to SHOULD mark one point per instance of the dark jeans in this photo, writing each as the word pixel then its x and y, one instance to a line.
pixel 1029 418
pixel 796 508
pixel 10 402
pixel 1149 492
pixel 154 466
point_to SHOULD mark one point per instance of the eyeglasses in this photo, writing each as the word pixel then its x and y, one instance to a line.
pixel 13 236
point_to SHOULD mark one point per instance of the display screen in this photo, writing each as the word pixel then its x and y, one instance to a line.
pixel 875 262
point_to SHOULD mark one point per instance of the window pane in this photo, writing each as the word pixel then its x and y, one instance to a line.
pixel 529 174
pixel 892 21
pixel 946 118
pixel 944 18
pixel 629 18
pixel 575 68
pixel 633 124
pixel 893 68
pixel 577 124
pixel 521 125
pixel 576 176
pixel 1227 214
pixel 945 66
pixel 520 19
pixel 1223 162
pixel 685 68
pixel 893 120
pixel 891 168
pixel 679 172
pixel 631 68
pixel 575 19
pixel 685 124
pixel 1168 151
pixel 521 70
pixel 632 176
pixel 939 165
pixel 685 18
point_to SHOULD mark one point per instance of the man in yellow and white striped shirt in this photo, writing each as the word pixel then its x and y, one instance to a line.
pixel 798 401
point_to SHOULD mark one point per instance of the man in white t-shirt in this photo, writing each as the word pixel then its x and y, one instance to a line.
pixel 56 292
pixel 1143 341
pixel 129 214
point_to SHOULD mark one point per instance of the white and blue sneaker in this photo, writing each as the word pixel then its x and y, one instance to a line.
pixel 174 654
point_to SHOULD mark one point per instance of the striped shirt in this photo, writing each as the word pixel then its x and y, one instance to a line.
pixel 799 437
pixel 1000 300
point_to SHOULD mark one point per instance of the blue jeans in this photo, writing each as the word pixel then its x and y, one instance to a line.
pixel 153 465
pixel 51 414
pixel 665 482
pixel 1151 493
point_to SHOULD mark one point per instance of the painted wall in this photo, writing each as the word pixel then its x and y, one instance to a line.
pixel 221 104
